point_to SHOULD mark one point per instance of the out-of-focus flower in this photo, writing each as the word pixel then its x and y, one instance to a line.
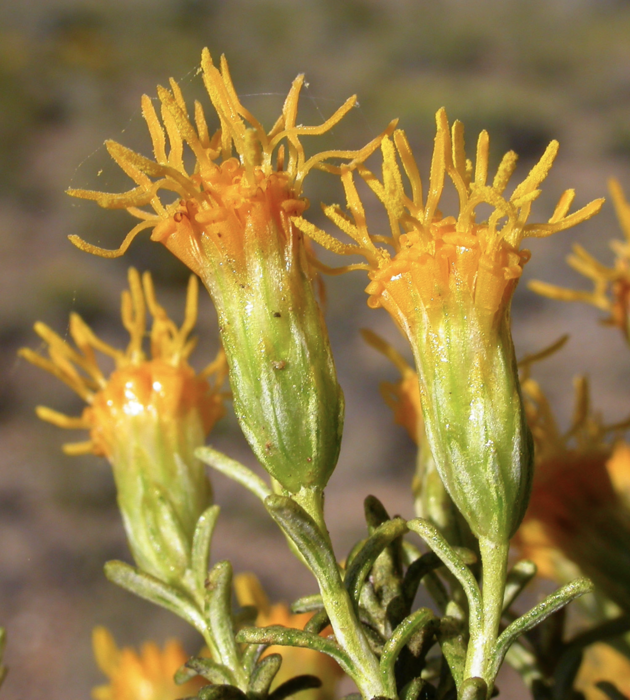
pixel 575 510
pixel 147 675
pixel 147 418
pixel 603 663
pixel 448 285
pixel 611 285
pixel 231 224
pixel 295 660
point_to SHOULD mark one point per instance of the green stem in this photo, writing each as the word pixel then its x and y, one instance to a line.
pixel 339 606
pixel 481 648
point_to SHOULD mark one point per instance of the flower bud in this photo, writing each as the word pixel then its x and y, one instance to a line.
pixel 147 418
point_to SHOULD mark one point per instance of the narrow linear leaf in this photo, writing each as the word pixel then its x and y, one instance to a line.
pixel 308 603
pixel 375 513
pixel 365 558
pixel 295 685
pixel 151 589
pixel 305 534
pixel 219 615
pixel 455 564
pixel 537 614
pixel 317 623
pixel 251 656
pixel 520 575
pixel 284 636
pixel 451 639
pixel 262 676
pixel 235 470
pixel 413 689
pixel 207 668
pixel 221 692
pixel 202 540
pixel 402 634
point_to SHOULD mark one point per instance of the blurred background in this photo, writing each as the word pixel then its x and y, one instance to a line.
pixel 71 75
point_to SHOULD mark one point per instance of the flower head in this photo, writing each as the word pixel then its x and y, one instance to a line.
pixel 295 660
pixel 575 510
pixel 147 675
pixel 611 285
pixel 148 418
pixel 436 257
pixel 448 281
pixel 243 188
pixel 231 223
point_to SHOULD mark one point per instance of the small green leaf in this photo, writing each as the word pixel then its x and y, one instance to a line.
pixel 284 636
pixel 395 644
pixel 202 540
pixel 148 587
pixel 235 470
pixel 221 692
pixel 251 655
pixel 317 623
pixel 453 645
pixel 537 614
pixel 305 534
pixel 308 603
pixel 413 689
pixel 455 564
pixel 521 574
pixel 207 668
pixel 262 676
pixel 219 616
pixel 375 513
pixel 295 685
pixel 365 558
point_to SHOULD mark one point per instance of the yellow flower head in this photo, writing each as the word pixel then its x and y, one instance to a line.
pixel 160 383
pixel 231 223
pixel 147 675
pixel 436 257
pixel 244 187
pixel 295 660
pixel 575 510
pixel 147 418
pixel 611 285
pixel 448 281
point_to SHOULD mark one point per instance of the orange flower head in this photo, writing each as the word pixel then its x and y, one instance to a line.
pixel 147 418
pixel 448 281
pixel 161 385
pixel 575 510
pixel 232 224
pixel 243 189
pixel 144 675
pixel 611 285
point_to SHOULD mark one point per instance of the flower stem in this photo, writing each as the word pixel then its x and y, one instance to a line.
pixel 481 649
pixel 341 612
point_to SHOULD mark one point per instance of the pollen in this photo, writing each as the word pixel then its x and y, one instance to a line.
pixel 245 184
pixel 159 382
pixel 429 258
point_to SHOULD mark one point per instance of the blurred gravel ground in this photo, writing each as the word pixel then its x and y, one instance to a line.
pixel 71 75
